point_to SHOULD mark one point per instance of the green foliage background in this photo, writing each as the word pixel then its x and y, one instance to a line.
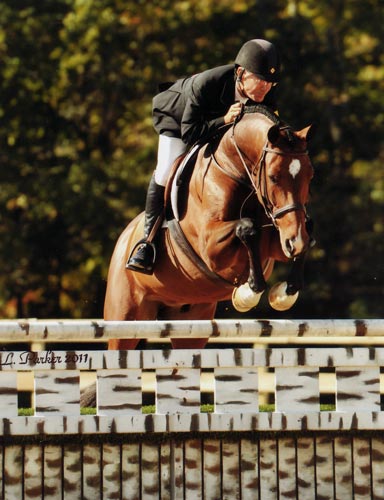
pixel 77 146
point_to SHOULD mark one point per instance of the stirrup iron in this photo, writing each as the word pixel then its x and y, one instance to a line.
pixel 149 268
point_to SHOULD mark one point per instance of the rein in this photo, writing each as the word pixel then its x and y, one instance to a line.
pixel 271 212
pixel 260 188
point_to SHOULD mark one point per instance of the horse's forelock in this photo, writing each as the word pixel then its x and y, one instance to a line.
pixel 290 140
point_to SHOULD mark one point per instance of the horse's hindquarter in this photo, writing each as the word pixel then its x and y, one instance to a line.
pixel 132 295
pixel 118 296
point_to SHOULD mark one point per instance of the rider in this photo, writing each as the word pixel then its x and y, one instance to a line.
pixel 194 107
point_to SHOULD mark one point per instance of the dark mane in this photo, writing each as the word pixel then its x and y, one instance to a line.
pixel 287 132
pixel 263 110
pixel 290 139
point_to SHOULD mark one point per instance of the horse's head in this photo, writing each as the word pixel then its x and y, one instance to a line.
pixel 284 174
pixel 281 172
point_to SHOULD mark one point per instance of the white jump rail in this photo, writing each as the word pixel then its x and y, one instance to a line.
pixel 100 331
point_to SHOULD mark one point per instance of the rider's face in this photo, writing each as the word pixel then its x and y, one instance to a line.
pixel 253 87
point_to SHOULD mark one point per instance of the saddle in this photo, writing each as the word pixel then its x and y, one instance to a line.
pixel 180 177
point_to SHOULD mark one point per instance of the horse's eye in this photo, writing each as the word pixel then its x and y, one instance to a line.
pixel 273 178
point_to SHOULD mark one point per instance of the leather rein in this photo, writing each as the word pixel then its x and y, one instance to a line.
pixel 260 188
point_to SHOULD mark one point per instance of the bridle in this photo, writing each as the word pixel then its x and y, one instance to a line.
pixel 260 187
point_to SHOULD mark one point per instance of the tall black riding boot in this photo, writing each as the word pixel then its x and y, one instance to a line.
pixel 142 260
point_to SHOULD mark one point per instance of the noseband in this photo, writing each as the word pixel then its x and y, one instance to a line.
pixel 260 188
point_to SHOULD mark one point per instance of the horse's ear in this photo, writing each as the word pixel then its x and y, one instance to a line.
pixel 307 133
pixel 273 134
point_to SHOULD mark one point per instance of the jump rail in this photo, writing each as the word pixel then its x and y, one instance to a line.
pixel 99 330
pixel 298 450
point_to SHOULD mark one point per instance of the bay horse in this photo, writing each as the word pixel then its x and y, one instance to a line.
pixel 242 208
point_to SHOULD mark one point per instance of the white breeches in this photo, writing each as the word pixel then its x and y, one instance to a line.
pixel 169 149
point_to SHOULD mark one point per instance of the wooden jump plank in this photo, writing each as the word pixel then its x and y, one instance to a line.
pixel 2 469
pixel 177 390
pixel 249 473
pixel 111 471
pixel 119 392
pixel 377 456
pixel 305 468
pixel 52 467
pixel 165 471
pixel 150 467
pixel 41 361
pixel 358 389
pixel 212 469
pixel 72 471
pixel 8 394
pixel 13 472
pixel 321 467
pixel 178 470
pixel 297 389
pixel 193 470
pixel 57 392
pixel 287 470
pixel 324 458
pixel 231 488
pixel 343 467
pixel 236 390
pixel 268 469
pixel 361 468
pixel 203 422
pixel 33 464
pixel 92 471
pixel 130 470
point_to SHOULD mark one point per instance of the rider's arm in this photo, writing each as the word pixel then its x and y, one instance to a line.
pixel 205 108
pixel 195 125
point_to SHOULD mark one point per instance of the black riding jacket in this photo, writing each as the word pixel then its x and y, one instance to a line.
pixel 194 107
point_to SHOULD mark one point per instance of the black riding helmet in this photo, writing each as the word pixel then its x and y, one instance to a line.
pixel 261 58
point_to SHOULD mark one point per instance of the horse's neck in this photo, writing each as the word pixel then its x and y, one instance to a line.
pixel 219 187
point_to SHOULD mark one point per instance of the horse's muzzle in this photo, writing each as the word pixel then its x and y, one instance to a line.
pixel 296 245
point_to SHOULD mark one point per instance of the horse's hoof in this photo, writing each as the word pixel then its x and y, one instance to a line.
pixel 279 299
pixel 244 298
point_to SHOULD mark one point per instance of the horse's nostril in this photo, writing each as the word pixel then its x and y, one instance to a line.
pixel 289 246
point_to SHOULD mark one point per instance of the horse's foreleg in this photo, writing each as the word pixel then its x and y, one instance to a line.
pixel 247 296
pixel 250 237
pixel 283 295
pixel 295 280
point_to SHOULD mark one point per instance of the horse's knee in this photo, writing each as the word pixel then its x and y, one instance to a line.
pixel 245 228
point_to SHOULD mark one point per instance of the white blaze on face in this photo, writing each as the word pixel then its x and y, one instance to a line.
pixel 294 167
